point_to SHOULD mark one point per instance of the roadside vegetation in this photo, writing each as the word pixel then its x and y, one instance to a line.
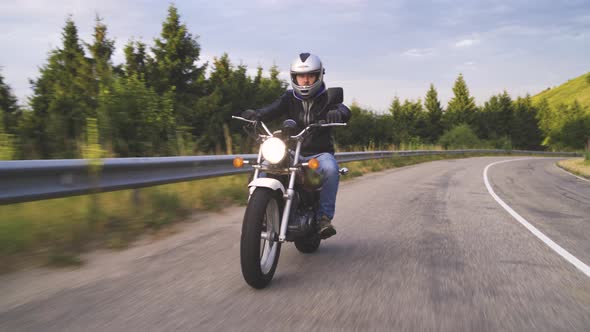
pixel 578 166
pixel 57 232
pixel 164 101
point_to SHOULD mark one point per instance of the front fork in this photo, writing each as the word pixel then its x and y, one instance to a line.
pixel 289 196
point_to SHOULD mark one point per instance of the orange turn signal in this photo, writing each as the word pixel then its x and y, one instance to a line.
pixel 313 163
pixel 238 162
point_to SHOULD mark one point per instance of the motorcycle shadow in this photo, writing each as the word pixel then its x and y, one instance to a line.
pixel 296 269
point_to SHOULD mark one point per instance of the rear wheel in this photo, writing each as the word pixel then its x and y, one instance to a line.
pixel 259 248
pixel 309 244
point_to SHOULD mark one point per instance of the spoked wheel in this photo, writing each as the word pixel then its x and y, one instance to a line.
pixel 259 248
pixel 308 245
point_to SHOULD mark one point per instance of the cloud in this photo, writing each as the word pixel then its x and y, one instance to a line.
pixel 466 66
pixel 584 19
pixel 287 3
pixel 520 30
pixel 415 52
pixel 467 43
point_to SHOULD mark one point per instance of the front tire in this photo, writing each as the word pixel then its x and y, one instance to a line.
pixel 259 256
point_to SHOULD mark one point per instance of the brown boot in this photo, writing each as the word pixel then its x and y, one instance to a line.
pixel 326 229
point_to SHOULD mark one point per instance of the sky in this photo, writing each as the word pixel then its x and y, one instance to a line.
pixel 376 50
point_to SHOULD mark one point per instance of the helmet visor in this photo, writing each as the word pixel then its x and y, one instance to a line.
pixel 305 79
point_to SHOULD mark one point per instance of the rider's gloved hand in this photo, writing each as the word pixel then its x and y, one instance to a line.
pixel 334 116
pixel 250 115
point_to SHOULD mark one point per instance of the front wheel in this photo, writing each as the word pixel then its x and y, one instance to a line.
pixel 259 248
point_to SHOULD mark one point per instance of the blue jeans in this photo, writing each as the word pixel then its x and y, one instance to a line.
pixel 330 176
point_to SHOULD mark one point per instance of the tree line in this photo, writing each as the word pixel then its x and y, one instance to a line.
pixel 160 102
pixel 501 123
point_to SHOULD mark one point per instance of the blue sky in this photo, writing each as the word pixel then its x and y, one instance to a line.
pixel 375 50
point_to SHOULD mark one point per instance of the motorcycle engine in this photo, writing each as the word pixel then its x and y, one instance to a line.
pixel 301 218
pixel 301 222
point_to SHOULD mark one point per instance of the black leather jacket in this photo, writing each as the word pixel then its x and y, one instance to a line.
pixel 305 112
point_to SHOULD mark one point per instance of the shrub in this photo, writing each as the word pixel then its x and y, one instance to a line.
pixel 460 137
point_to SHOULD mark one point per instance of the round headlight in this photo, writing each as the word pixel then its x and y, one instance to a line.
pixel 273 150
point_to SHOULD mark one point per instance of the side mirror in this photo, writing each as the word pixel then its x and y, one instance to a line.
pixel 335 96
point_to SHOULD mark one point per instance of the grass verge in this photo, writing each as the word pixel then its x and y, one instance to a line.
pixel 577 166
pixel 55 232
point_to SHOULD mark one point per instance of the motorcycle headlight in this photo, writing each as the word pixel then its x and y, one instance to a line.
pixel 273 150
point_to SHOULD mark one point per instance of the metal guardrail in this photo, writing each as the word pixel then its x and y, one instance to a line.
pixel 29 180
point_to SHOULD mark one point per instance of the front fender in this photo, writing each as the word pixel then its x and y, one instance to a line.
pixel 273 184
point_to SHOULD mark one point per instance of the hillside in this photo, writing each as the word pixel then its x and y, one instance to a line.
pixel 575 89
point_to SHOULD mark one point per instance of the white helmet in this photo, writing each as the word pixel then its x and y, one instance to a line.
pixel 304 64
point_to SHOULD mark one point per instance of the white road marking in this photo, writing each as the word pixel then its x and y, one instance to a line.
pixel 557 248
pixel 570 173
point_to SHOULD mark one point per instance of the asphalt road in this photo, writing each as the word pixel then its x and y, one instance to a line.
pixel 424 247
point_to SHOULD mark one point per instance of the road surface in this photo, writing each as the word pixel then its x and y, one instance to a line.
pixel 424 247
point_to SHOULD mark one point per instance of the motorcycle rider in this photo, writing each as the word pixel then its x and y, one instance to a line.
pixel 305 104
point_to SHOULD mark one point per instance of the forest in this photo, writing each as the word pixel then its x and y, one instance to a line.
pixel 160 102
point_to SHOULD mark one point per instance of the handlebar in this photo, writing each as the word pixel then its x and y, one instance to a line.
pixel 313 125
pixel 243 119
pixel 318 125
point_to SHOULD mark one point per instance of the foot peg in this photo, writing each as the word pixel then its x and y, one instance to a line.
pixel 343 171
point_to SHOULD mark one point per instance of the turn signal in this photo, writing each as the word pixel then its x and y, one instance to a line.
pixel 313 163
pixel 238 162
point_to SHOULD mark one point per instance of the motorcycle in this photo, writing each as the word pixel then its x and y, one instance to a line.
pixel 282 205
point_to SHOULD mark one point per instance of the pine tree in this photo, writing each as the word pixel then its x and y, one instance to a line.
pixel 544 116
pixel 395 109
pixel 505 115
pixel 136 60
pixel 63 98
pixel 101 51
pixel 221 81
pixel 495 119
pixel 461 107
pixel 268 88
pixel 434 113
pixel 524 128
pixel 9 110
pixel 141 122
pixel 413 119
pixel 232 91
pixel 9 113
pixel 176 53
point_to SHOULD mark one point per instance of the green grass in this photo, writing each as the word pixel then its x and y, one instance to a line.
pixel 57 231
pixel 575 89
